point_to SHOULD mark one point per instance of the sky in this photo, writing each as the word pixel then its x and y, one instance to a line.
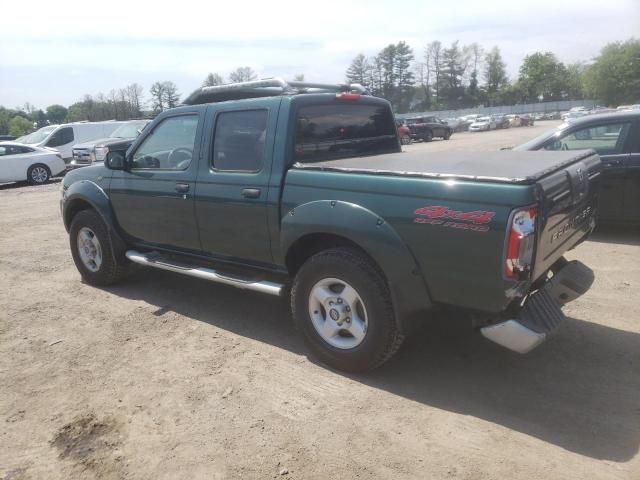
pixel 56 52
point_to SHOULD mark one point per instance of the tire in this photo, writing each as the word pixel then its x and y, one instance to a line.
pixel 447 135
pixel 102 269
pixel 428 136
pixel 373 309
pixel 38 174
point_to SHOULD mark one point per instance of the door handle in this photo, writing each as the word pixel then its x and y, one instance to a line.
pixel 250 192
pixel 182 187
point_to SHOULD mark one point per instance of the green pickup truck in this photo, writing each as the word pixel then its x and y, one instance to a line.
pixel 302 190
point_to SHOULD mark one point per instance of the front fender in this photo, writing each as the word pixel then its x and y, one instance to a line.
pixel 86 192
pixel 375 236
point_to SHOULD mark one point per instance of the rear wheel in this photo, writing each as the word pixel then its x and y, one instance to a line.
pixel 342 306
pixel 92 250
pixel 38 174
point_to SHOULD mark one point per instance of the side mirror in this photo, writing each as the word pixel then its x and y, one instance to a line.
pixel 115 161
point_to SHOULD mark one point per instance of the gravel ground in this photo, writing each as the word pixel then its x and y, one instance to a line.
pixel 166 377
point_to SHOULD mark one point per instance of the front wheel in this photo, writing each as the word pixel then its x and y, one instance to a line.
pixel 428 136
pixel 92 250
pixel 342 306
pixel 38 174
pixel 447 135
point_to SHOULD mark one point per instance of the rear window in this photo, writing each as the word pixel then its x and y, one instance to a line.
pixel 328 132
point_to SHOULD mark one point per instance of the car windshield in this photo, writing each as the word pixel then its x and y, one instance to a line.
pixel 128 130
pixel 38 136
pixel 540 139
pixel 483 119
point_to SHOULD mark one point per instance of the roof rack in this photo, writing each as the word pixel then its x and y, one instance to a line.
pixel 268 87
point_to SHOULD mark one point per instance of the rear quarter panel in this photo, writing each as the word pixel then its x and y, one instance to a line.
pixel 460 261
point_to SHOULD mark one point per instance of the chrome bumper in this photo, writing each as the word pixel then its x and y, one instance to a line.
pixel 542 313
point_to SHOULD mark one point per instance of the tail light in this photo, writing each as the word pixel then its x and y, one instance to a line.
pixel 520 243
pixel 348 96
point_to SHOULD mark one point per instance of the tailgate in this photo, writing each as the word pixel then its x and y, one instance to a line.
pixel 568 200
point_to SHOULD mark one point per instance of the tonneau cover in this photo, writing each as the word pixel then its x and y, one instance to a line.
pixel 505 166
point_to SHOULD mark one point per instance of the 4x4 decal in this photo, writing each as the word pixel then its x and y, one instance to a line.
pixel 441 215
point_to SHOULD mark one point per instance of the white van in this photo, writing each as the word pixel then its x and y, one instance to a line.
pixel 64 137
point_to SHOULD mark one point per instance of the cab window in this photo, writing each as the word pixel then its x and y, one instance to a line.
pixel 604 139
pixel 169 146
pixel 327 132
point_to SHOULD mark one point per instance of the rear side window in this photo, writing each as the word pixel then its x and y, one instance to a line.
pixel 328 132
pixel 604 139
pixel 239 141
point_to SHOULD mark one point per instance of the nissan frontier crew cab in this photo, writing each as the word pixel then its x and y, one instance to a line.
pixel 302 190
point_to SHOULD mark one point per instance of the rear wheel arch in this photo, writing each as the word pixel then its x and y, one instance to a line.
pixel 343 224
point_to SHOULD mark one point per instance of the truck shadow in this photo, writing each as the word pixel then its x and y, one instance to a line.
pixel 579 390
pixel 624 235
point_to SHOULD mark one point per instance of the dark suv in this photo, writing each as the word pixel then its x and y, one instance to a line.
pixel 426 128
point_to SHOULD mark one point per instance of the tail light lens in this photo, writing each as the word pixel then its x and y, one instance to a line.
pixel 520 243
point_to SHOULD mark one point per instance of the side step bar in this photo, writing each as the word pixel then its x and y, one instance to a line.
pixel 262 286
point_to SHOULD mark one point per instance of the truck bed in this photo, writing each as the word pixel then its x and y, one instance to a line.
pixel 504 166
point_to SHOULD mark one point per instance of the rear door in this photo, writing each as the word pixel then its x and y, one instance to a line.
pixel 153 200
pixel 233 180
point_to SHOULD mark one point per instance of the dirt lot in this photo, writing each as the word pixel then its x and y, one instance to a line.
pixel 165 377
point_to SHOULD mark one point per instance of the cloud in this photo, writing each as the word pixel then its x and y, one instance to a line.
pixel 82 47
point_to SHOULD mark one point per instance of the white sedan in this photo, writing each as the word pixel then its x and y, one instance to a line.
pixel 36 165
pixel 483 124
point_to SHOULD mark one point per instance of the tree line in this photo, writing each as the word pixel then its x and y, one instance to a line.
pixel 441 77
pixel 447 77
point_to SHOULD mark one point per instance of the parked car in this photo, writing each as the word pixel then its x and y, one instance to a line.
pixel 575 112
pixel 86 153
pixel 19 163
pixel 514 120
pixel 483 124
pixel 526 121
pixel 309 195
pixel 455 124
pixel 427 128
pixel 63 137
pixel 616 138
pixel 501 121
pixel 4 138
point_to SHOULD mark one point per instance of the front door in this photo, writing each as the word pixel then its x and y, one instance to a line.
pixel 233 180
pixel 632 179
pixel 153 199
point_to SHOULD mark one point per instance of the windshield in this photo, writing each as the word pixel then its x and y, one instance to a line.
pixel 38 136
pixel 128 130
pixel 483 119
pixel 540 139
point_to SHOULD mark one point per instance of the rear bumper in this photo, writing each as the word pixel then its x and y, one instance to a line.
pixel 542 312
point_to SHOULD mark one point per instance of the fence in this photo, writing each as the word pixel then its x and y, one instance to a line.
pixel 542 107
